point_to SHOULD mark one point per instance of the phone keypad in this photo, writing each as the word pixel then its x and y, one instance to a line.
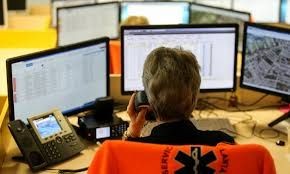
pixel 51 150
pixel 118 130
pixel 69 138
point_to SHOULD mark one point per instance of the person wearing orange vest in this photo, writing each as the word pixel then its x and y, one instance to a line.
pixel 127 157
pixel 171 82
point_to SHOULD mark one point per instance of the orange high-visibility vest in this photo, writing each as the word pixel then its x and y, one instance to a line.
pixel 125 157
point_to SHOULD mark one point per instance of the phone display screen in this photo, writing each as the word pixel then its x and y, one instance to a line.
pixel 47 126
pixel 103 132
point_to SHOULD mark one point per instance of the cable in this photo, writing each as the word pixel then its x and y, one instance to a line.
pixel 234 132
pixel 211 111
pixel 68 171
pixel 255 102
pixel 234 108
pixel 205 104
pixel 247 120
pixel 260 135
pixel 242 104
pixel 63 171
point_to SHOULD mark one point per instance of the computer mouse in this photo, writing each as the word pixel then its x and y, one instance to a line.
pixel 280 143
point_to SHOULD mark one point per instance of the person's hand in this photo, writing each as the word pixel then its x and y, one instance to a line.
pixel 137 118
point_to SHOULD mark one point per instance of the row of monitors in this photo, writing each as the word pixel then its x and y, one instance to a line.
pixel 273 11
pixel 87 21
pixel 261 11
pixel 241 5
pixel 72 77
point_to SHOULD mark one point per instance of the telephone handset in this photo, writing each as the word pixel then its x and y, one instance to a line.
pixel 141 100
pixel 48 139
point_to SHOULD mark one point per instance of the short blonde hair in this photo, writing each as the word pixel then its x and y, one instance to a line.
pixel 135 20
pixel 171 81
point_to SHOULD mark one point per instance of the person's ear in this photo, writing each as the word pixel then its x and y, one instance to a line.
pixel 194 101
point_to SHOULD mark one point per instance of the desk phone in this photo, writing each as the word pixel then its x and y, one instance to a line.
pixel 48 138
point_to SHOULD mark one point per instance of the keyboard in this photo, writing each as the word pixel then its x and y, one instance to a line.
pixel 219 124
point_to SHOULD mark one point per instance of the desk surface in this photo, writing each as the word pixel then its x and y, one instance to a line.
pixel 262 117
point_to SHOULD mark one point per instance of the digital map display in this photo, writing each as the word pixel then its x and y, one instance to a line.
pixel 267 62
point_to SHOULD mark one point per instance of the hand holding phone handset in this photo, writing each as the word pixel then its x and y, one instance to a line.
pixel 137 119
pixel 141 101
pixel 48 139
pixel 138 109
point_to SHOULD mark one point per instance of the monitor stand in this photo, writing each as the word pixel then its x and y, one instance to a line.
pixel 282 122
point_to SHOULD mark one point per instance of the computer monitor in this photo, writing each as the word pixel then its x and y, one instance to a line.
pixel 85 22
pixel 3 13
pixel 266 59
pixel 283 11
pixel 16 5
pixel 202 14
pixel 69 78
pixel 214 45
pixel 261 10
pixel 157 12
pixel 65 3
pixel 287 11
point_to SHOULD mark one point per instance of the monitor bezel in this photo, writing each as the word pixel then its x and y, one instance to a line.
pixel 5 11
pixel 264 27
pixel 53 10
pixel 84 6
pixel 160 2
pixel 17 9
pixel 222 9
pixel 229 25
pixel 49 52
